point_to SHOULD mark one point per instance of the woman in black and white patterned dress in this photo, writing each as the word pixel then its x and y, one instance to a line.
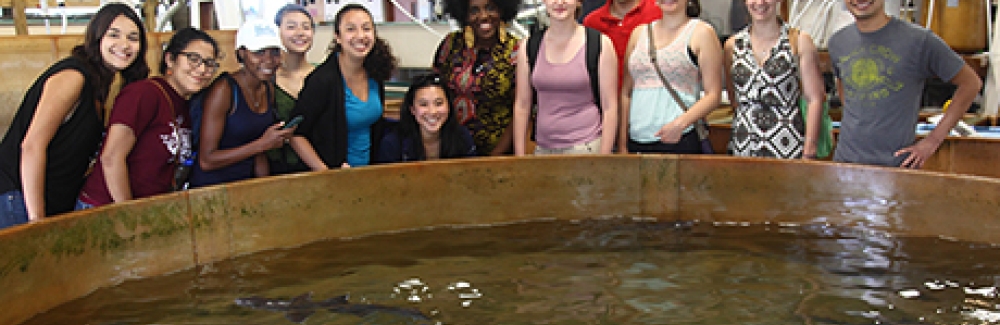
pixel 767 74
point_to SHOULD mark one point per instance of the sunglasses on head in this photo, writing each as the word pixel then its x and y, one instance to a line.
pixel 433 79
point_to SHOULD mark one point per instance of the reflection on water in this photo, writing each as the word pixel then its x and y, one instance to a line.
pixel 607 271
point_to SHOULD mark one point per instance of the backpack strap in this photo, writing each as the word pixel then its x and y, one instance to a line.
pixel 593 58
pixel 236 95
pixel 534 43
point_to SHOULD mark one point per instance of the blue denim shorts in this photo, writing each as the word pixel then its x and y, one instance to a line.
pixel 12 209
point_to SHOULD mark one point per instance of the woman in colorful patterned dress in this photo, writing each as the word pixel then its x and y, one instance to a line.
pixel 767 74
pixel 478 63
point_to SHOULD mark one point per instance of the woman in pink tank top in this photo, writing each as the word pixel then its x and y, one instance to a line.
pixel 568 119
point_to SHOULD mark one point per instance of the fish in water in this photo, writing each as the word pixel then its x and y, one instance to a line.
pixel 299 308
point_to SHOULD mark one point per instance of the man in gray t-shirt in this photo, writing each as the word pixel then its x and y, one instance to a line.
pixel 881 64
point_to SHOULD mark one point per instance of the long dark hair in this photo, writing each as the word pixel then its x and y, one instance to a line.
pixel 453 143
pixel 180 41
pixel 379 63
pixel 459 10
pixel 90 50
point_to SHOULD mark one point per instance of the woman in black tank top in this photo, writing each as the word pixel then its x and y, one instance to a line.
pixel 57 129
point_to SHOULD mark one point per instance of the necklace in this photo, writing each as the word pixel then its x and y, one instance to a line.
pixel 482 61
pixel 762 44
pixel 763 52
pixel 253 97
pixel 258 99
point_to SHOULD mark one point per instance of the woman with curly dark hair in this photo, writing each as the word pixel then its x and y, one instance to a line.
pixel 57 128
pixel 477 63
pixel 343 98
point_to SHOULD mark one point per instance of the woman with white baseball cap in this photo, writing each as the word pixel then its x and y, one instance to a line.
pixel 238 123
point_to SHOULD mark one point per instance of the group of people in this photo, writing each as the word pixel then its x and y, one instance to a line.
pixel 636 76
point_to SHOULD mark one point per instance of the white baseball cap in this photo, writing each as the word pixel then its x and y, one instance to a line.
pixel 256 35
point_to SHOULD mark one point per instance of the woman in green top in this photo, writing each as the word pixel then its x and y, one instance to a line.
pixel 297 31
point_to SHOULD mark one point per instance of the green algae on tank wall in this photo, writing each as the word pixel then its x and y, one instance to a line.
pixel 111 232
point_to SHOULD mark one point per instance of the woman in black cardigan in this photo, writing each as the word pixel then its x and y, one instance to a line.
pixel 343 99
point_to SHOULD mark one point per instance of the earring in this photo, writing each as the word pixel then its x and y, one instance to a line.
pixel 170 72
pixel 502 31
pixel 470 37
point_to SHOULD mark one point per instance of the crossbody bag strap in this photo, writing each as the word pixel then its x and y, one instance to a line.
pixel 167 96
pixel 173 115
pixel 656 66
pixel 699 125
pixel 793 40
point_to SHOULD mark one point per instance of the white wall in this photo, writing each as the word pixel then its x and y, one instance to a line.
pixel 413 45
pixel 377 8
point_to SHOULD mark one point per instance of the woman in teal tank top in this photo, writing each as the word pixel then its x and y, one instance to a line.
pixel 333 129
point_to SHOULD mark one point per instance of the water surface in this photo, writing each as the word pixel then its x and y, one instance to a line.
pixel 606 271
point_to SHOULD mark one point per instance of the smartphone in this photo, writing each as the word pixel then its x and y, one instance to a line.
pixel 293 122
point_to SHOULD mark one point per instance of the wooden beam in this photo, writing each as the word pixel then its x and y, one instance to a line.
pixel 149 14
pixel 991 102
pixel 20 19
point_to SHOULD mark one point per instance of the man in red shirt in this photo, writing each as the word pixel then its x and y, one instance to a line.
pixel 617 18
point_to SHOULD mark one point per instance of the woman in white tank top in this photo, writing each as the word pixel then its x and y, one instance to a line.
pixel 690 57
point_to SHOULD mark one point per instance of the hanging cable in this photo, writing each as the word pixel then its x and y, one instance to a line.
pixel 989 23
pixel 796 16
pixel 414 19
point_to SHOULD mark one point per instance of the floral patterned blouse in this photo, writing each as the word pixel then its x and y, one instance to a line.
pixel 482 82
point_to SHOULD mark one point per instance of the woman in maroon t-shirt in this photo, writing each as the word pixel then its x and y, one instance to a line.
pixel 149 130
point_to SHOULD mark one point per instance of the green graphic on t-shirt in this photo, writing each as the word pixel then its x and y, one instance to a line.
pixel 865 73
pixel 870 74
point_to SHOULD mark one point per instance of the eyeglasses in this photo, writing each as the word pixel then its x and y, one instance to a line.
pixel 197 61
pixel 271 51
